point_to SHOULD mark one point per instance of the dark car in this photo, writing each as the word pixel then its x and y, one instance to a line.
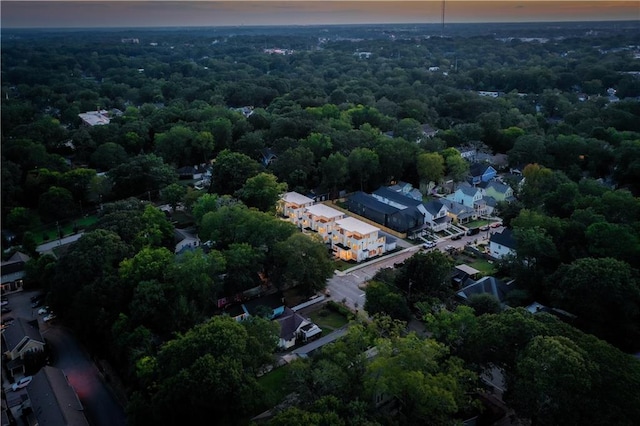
pixel 456 237
pixel 37 303
pixel 473 231
pixel 6 310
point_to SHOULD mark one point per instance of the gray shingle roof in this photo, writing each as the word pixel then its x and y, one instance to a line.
pixel 504 238
pixel 20 328
pixel 53 400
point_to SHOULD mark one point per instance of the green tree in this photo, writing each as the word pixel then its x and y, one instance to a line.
pixel 303 262
pixel 334 171
pixel 261 191
pixel 605 295
pixel 231 171
pixel 484 303
pixel 108 156
pixel 141 175
pixel 553 377
pixel 430 167
pixel 429 385
pixel 173 194
pixel 243 265
pixel 381 299
pixel 363 166
pixel 57 203
pixel 426 275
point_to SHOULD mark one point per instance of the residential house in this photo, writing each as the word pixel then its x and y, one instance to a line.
pixel 459 213
pixel 406 189
pixel 485 285
pixel 295 328
pixel 497 190
pixel 13 272
pixel 321 219
pixel 52 400
pixel 95 118
pixel 481 172
pixel 292 206
pixel 437 216
pixel 428 131
pixel 21 338
pixel 267 156
pixel 356 240
pixel 502 244
pixel 469 196
pixel 273 303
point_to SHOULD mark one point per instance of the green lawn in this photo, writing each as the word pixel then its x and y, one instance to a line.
pixel 274 384
pixel 66 229
pixel 327 320
pixel 341 265
pixel 477 223
pixel 483 266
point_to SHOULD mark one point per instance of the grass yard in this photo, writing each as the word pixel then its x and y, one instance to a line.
pixel 65 229
pixel 327 320
pixel 274 384
pixel 341 265
pixel 477 223
pixel 483 266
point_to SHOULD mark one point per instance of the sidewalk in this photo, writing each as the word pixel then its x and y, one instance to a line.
pixel 48 247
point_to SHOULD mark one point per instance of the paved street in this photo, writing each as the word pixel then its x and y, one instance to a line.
pixel 349 285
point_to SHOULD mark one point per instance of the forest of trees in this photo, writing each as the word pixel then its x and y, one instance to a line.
pixel 327 113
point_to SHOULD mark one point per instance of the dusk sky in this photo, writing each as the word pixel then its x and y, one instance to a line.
pixel 52 14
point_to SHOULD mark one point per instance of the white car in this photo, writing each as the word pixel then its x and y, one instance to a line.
pixel 429 244
pixel 49 317
pixel 43 311
pixel 21 383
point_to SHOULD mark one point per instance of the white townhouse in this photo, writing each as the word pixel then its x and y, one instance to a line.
pixel 321 219
pixel 292 206
pixel 356 240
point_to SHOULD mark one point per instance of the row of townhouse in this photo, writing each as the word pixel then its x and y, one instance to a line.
pixel 349 238
pixel 482 198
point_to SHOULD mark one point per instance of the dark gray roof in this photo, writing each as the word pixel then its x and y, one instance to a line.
pixel 433 206
pixel 490 285
pixel 504 238
pixel 468 189
pixel 53 400
pixel 272 301
pixel 20 328
pixel 289 322
pixel 457 208
pixel 478 169
pixel 369 202
pixel 398 197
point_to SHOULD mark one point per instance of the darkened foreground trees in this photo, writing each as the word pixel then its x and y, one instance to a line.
pixel 209 373
pixel 554 373
pixel 374 371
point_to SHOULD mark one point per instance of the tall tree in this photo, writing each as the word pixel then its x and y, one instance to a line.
pixel 230 172
pixel 303 262
pixel 261 191
pixel 430 167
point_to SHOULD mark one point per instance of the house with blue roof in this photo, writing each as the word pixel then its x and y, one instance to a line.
pixel 481 172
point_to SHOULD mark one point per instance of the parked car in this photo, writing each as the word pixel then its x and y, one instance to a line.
pixel 7 321
pixel 5 310
pixel 21 383
pixel 473 231
pixel 4 303
pixel 429 244
pixel 49 317
pixel 456 237
pixel 496 225
pixel 484 228
pixel 37 304
pixel 36 297
pixel 43 310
